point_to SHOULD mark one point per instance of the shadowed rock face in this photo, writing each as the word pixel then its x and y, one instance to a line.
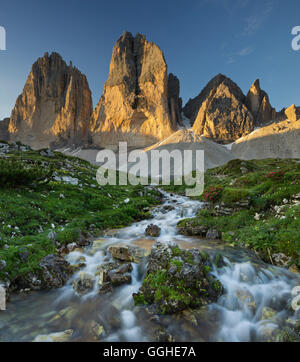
pixel 175 102
pixel 219 111
pixel 134 104
pixel 4 134
pixel 258 103
pixel 55 106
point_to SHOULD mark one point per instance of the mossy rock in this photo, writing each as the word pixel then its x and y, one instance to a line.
pixel 177 279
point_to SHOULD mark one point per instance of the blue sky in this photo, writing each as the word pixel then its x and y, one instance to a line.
pixel 244 39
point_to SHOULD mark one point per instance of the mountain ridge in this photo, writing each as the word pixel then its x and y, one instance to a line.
pixel 140 104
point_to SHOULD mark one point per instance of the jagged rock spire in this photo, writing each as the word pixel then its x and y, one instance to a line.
pixel 55 106
pixel 134 106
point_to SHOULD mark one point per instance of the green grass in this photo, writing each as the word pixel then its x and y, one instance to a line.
pixel 32 204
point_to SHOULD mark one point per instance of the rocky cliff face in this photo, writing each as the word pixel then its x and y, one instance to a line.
pixel 134 106
pixel 55 106
pixel 292 113
pixel 258 103
pixel 219 111
pixel 4 134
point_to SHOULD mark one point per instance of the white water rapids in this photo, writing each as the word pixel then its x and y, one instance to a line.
pixel 254 305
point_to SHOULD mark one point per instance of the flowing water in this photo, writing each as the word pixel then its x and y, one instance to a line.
pixel 254 306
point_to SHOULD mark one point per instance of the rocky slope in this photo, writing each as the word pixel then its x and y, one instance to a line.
pixel 186 139
pixel 134 106
pixel 219 111
pixel 277 140
pixel 55 106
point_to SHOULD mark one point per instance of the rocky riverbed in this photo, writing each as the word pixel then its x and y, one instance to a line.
pixel 129 286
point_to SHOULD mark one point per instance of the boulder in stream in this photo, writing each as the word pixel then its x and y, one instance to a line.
pixel 127 252
pixel 113 274
pixel 53 272
pixel 153 230
pixel 192 229
pixel 177 279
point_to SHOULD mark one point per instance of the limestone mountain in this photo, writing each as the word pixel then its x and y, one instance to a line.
pixel 258 103
pixel 219 111
pixel 55 106
pixel 135 104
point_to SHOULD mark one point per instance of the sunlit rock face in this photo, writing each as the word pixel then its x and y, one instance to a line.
pixel 292 113
pixel 55 106
pixel 134 106
pixel 219 112
pixel 258 103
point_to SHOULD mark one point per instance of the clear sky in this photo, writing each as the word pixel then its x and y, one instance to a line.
pixel 243 39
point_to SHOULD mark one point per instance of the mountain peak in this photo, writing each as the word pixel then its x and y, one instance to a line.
pixel 54 107
pixel 258 103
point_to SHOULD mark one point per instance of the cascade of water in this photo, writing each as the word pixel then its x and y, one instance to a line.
pixel 254 303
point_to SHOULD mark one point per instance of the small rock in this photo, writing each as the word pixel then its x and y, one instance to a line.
pixel 119 279
pixel 95 329
pixel 64 336
pixel 71 247
pixel 193 230
pixel 121 252
pixel 2 264
pixel 267 313
pixel 47 153
pixel 257 217
pixel 83 240
pixel 163 335
pixel 106 288
pixel 52 235
pixel 213 234
pixel 153 230
pixel 294 269
pixel 281 259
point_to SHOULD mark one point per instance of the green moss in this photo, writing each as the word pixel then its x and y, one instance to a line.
pixel 176 251
pixel 216 284
pixel 139 299
pixel 177 263
pixel 206 269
